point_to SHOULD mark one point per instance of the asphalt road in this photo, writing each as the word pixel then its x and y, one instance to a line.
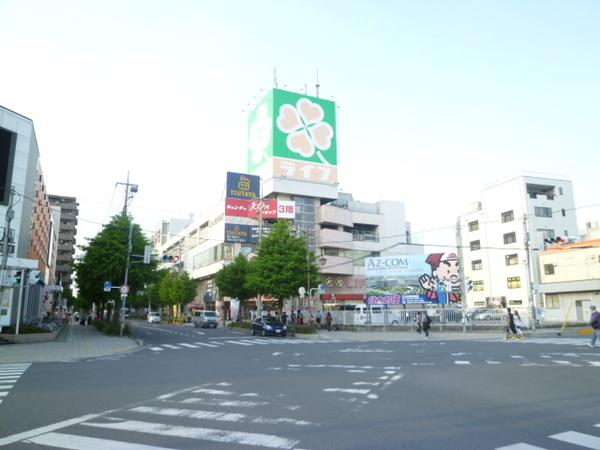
pixel 218 389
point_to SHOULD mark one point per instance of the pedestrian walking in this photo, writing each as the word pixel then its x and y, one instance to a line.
pixel 595 323
pixel 511 330
pixel 518 324
pixel 426 323
pixel 328 320
pixel 284 318
pixel 300 318
pixel 419 322
pixel 293 318
pixel 318 319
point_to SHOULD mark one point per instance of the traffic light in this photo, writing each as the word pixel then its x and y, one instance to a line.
pixel 34 277
pixel 170 258
pixel 15 278
pixel 555 240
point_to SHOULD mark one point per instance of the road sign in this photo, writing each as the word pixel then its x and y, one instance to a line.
pixel 107 286
pixel 124 289
pixel 322 288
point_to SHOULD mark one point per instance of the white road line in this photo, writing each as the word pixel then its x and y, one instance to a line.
pixel 156 349
pixel 238 343
pixel 6 386
pixel 212 392
pixel 493 362
pixel 520 446
pixel 73 442
pixel 581 439
pixel 194 414
pixel 264 341
pixel 48 428
pixel 15 365
pixel 227 403
pixel 174 347
pixel 366 383
pixel 207 434
pixel 348 391
pixel 183 344
pixel 252 342
pixel 206 345
pixel 12 372
pixel 464 363
pixel 3 394
pixel 9 377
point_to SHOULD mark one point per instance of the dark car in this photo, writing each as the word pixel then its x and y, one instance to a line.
pixel 267 326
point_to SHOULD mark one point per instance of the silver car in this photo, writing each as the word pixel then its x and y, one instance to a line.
pixel 205 319
pixel 153 317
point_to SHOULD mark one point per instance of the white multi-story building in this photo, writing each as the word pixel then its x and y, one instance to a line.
pixel 513 216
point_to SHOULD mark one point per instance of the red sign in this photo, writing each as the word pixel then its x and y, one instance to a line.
pixel 271 209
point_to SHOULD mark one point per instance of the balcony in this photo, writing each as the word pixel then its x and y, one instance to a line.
pixel 335 239
pixel 335 215
pixel 337 265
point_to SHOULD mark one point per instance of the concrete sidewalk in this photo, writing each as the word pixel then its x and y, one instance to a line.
pixel 393 336
pixel 74 342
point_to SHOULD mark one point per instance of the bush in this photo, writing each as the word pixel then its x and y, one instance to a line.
pixel 25 329
pixel 302 329
pixel 242 324
pixel 112 328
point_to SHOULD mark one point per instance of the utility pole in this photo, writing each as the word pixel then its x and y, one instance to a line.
pixel 461 269
pixel 530 296
pixel 130 188
pixel 10 215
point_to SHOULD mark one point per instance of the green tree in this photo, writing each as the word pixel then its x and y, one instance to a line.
pixel 104 259
pixel 232 280
pixel 282 265
pixel 176 288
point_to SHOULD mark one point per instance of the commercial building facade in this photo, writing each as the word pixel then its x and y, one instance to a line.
pixel 67 230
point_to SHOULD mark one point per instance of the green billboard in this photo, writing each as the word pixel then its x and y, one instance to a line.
pixel 293 127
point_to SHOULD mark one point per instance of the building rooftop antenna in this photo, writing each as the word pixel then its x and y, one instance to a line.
pixel 317 85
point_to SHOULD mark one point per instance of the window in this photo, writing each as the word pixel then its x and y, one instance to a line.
pixel 475 245
pixel 507 216
pixel 513 282
pixel 478 285
pixel 549 269
pixel 552 301
pixel 515 302
pixel 8 141
pixel 474 226
pixel 510 238
pixel 365 232
pixel 476 265
pixel 542 211
pixel 479 304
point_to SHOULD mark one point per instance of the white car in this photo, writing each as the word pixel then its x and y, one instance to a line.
pixel 153 317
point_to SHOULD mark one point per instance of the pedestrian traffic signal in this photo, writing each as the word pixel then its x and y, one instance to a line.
pixel 555 240
pixel 15 279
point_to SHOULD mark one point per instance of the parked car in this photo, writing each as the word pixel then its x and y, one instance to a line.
pixel 266 326
pixel 153 317
pixel 484 315
pixel 205 319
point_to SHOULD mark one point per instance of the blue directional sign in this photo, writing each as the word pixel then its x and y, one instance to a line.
pixel 107 286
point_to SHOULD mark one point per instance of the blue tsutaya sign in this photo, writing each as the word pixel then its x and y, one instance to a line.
pixel 243 186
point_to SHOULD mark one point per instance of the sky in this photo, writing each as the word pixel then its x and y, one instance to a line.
pixel 435 99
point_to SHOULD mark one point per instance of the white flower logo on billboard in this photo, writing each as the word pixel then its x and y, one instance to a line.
pixel 260 134
pixel 307 133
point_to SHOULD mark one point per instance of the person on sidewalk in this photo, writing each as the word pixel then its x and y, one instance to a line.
pixel 518 324
pixel 595 323
pixel 328 320
pixel 511 330
pixel 419 322
pixel 426 324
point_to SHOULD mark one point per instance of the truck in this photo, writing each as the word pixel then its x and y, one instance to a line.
pixel 366 315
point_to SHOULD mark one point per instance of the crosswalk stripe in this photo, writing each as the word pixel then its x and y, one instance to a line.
pixel 207 434
pixel 183 344
pixel 6 386
pixel 12 372
pixel 174 347
pixel 3 394
pixel 520 446
pixel 205 344
pixel 253 341
pixel 9 377
pixel 157 349
pixel 73 442
pixel 581 439
pixel 238 343
pixel 193 413
pixel 463 363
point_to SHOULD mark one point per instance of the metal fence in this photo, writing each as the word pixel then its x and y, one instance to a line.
pixel 442 319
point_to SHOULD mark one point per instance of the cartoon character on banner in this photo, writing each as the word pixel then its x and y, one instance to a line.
pixel 443 285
